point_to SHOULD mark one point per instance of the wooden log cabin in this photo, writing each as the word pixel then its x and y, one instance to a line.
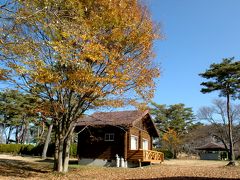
pixel 127 134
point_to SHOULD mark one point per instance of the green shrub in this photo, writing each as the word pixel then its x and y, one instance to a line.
pixel 167 153
pixel 27 149
pixel 37 150
pixel 33 150
pixel 14 148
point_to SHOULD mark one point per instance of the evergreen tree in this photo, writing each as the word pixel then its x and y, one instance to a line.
pixel 17 112
pixel 176 117
pixel 174 122
pixel 225 78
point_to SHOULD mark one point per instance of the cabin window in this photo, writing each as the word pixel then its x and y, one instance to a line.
pixel 109 137
pixel 145 144
pixel 134 142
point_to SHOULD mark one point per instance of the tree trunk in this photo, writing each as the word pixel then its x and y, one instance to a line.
pixel 66 155
pixel 42 132
pixel 60 156
pixel 48 138
pixel 9 135
pixel 1 133
pixel 4 132
pixel 38 134
pixel 175 153
pixel 55 167
pixel 62 148
pixel 20 134
pixel 67 150
pixel 25 133
pixel 16 135
pixel 231 148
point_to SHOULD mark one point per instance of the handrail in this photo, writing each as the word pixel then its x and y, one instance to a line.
pixel 149 155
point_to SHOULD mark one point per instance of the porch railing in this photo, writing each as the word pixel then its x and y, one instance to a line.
pixel 151 156
pixel 145 156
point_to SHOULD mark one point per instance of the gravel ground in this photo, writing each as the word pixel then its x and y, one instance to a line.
pixel 17 167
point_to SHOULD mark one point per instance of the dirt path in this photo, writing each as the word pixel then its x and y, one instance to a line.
pixel 21 158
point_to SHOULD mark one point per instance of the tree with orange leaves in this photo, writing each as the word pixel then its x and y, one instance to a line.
pixel 172 141
pixel 76 55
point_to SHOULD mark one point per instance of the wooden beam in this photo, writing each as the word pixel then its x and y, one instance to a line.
pixel 125 145
pixel 140 140
pixel 151 143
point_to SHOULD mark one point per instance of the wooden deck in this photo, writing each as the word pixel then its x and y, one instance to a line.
pixel 145 156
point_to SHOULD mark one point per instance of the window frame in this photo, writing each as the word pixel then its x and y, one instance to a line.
pixel 137 141
pixel 143 144
pixel 109 137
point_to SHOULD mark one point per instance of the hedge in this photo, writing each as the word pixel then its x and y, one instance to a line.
pixel 11 148
pixel 32 150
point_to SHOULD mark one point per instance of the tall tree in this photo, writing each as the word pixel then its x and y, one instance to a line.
pixel 176 117
pixel 76 55
pixel 225 78
pixel 17 111
pixel 174 122
pixel 10 113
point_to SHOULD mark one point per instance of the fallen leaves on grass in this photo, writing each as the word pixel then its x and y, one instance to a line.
pixel 15 169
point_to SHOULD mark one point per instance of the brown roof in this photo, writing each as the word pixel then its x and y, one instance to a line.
pixel 211 146
pixel 112 118
pixel 118 118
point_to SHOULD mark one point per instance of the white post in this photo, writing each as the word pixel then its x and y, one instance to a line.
pixel 122 164
pixel 117 161
pixel 126 164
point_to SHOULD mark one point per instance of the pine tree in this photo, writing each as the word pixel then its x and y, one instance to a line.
pixel 225 78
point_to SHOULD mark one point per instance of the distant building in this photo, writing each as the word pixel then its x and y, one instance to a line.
pixel 213 151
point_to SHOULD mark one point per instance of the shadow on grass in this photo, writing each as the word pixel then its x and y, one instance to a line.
pixel 187 178
pixel 46 160
pixel 74 162
pixel 23 169
pixel 52 161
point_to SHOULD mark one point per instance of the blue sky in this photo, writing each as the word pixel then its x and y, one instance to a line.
pixel 196 34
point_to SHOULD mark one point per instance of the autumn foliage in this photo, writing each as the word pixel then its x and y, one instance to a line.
pixel 172 141
pixel 76 55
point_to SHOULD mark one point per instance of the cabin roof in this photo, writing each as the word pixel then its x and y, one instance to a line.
pixel 211 146
pixel 117 118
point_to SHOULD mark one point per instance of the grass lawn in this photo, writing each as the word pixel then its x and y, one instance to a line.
pixel 17 167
